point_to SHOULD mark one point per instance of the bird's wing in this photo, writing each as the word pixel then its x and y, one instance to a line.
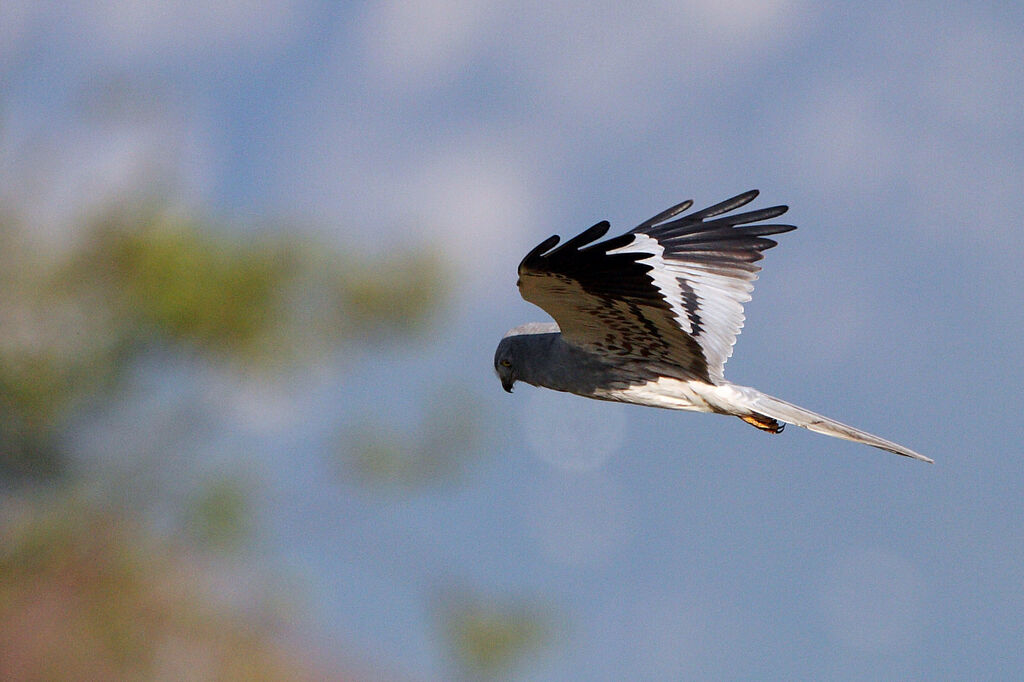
pixel 669 292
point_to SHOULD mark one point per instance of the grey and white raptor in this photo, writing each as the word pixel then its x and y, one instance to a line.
pixel 651 316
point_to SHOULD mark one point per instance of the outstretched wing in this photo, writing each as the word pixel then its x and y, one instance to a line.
pixel 670 292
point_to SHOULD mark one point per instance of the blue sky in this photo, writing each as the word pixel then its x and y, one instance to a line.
pixel 674 543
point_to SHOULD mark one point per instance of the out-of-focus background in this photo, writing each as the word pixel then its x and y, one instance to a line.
pixel 254 261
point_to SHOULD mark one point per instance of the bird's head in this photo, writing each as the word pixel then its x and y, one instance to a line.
pixel 504 363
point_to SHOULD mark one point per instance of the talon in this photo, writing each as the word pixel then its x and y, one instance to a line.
pixel 764 423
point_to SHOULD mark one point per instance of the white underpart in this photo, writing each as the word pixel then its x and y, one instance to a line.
pixel 720 299
pixel 679 394
pixel 698 396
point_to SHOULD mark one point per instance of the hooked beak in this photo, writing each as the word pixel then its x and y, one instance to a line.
pixel 507 384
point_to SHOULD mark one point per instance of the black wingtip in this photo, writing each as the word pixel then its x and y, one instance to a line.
pixel 665 215
pixel 537 252
pixel 726 206
pixel 759 230
pixel 588 235
pixel 543 247
pixel 758 215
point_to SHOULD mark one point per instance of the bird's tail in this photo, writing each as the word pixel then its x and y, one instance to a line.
pixel 779 409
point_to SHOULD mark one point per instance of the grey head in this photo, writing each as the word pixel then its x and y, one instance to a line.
pixel 514 351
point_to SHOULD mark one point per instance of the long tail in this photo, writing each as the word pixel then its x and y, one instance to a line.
pixel 791 414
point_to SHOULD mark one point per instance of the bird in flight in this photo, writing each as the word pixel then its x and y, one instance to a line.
pixel 650 317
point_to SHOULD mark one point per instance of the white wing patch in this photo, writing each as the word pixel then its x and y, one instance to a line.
pixel 718 298
pixel 664 279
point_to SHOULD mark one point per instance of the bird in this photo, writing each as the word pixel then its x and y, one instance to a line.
pixel 650 317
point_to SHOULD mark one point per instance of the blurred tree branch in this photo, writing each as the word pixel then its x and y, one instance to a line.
pixel 72 324
pixel 89 590
pixel 86 594
pixel 488 636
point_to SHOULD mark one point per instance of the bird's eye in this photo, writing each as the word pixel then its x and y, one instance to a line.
pixel 506 363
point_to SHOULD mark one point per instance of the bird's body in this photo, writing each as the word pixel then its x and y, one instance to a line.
pixel 546 359
pixel 650 317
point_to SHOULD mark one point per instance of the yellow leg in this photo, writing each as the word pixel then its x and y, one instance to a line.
pixel 764 423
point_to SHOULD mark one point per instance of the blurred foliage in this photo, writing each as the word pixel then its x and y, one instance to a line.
pixel 180 284
pixel 85 594
pixel 220 514
pixel 72 322
pixel 488 637
pixel 252 295
pixel 447 435
pixel 396 293
pixel 89 591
